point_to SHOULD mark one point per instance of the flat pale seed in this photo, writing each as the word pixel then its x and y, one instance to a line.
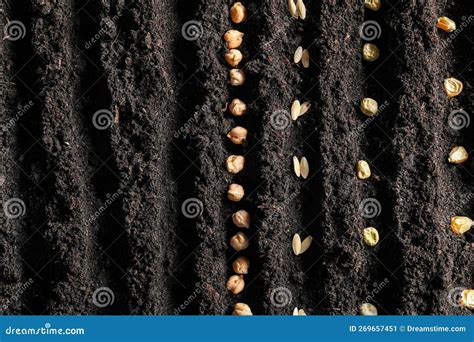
pixel 304 167
pixel 298 55
pixel 296 166
pixel 292 8
pixel 305 58
pixel 301 312
pixel 305 244
pixel 296 244
pixel 295 312
pixel 301 9
pixel 305 106
pixel 295 109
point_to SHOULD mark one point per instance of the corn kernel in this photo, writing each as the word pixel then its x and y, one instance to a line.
pixel 446 24
pixel 369 106
pixel 461 224
pixel 363 169
pixel 458 155
pixel 374 5
pixel 467 299
pixel 452 87
pixel 242 309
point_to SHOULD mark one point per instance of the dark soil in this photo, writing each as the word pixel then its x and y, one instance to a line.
pixel 104 207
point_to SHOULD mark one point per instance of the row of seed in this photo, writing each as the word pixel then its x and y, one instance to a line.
pixel 298 109
pixel 235 163
pixel 457 155
pixel 368 107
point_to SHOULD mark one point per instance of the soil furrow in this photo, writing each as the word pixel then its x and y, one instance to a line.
pixel 382 84
pixel 279 194
pixel 137 56
pixel 67 266
pixel 208 140
pixel 13 277
pixel 345 262
pixel 425 189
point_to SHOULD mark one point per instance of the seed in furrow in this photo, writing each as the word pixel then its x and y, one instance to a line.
pixel 241 265
pixel 305 244
pixel 237 135
pixel 238 13
pixel 298 312
pixel 446 24
pixel 237 107
pixel 298 54
pixel 370 236
pixel 237 77
pixel 461 224
pixel 301 9
pixel 305 106
pixel 304 166
pixel 241 309
pixel 292 8
pixel 296 166
pixel 241 219
pixel 235 164
pixel 458 155
pixel 296 244
pixel 305 58
pixel 233 57
pixel 370 52
pixel 453 87
pixel 374 5
pixel 239 241
pixel 368 309
pixel 233 38
pixel 236 284
pixel 363 169
pixel 369 106
pixel 235 192
pixel 295 110
pixel 467 298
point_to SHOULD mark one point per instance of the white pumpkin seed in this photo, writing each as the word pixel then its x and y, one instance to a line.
pixel 305 106
pixel 295 109
pixel 298 55
pixel 305 244
pixel 301 9
pixel 292 8
pixel 296 166
pixel 305 58
pixel 304 168
pixel 296 244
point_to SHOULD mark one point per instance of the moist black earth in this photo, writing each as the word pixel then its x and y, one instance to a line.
pixel 103 226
